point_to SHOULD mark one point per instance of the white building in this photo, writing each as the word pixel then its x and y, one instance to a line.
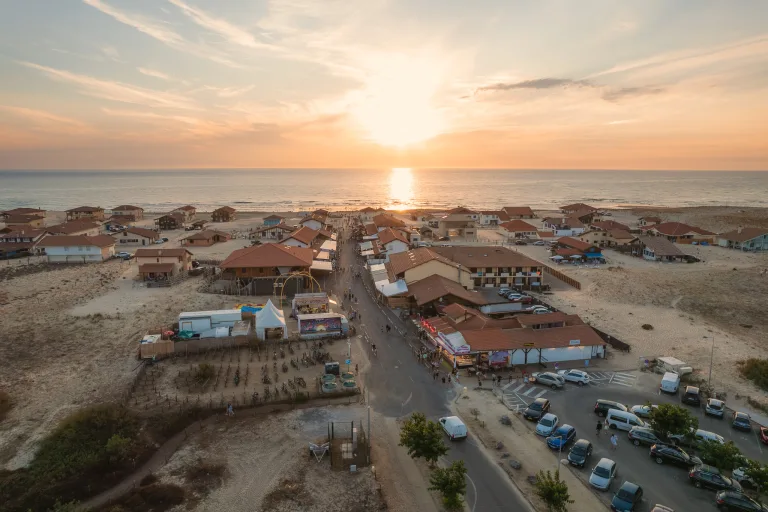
pixel 136 237
pixel 392 241
pixel 78 249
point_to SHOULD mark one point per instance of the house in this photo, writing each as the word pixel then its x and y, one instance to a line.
pixel 680 233
pixel 302 237
pixel 24 221
pixel 649 221
pixel 268 260
pixel 171 221
pixel 437 289
pixel 206 238
pixel 313 221
pixel 568 247
pixel 519 212
pixel 276 232
pixel 85 213
pixel 519 229
pixel 76 227
pixel 460 222
pixel 181 258
pixel 576 207
pixel 78 248
pixel 607 238
pixel 22 240
pixel 392 241
pixel 656 248
pixel 370 229
pixel 383 220
pixel 273 220
pixel 119 220
pixel 23 211
pixel 187 211
pixel 417 264
pixel 492 266
pixel 746 239
pixel 607 225
pixel 223 214
pixel 127 210
pixel 493 217
pixel 367 214
pixel 564 226
pixel 136 236
pixel 548 236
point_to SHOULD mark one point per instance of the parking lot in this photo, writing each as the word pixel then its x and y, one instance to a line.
pixel 662 484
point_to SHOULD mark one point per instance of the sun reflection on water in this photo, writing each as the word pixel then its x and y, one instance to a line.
pixel 400 188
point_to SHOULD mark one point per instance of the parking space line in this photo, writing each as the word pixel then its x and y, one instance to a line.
pixel 518 388
pixel 541 393
pixel 528 393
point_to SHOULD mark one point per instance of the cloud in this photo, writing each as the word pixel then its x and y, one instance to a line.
pixel 42 117
pixel 153 73
pixel 117 91
pixel 225 29
pixel 162 33
pixel 111 52
pixel 225 92
pixel 150 116
pixel 630 92
pixel 537 83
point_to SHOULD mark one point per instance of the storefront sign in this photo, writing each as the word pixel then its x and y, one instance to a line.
pixel 574 342
pixel 528 344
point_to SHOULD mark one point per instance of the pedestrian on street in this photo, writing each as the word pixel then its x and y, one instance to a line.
pixel 479 382
pixel 443 380
pixel 449 379
pixel 614 442
pixel 599 428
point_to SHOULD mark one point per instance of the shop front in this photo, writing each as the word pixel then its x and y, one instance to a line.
pixel 310 304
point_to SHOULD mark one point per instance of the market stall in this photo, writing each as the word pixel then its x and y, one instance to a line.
pixel 270 323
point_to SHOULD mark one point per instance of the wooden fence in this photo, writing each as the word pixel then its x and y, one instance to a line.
pixel 564 278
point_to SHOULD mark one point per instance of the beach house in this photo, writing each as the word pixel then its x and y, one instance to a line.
pixel 392 241
pixel 577 207
pixel 259 267
pixel 313 221
pixel 607 225
pixel 205 238
pixel 519 212
pixel 179 257
pixel 76 227
pixel 492 266
pixel 273 220
pixel 77 248
pixel 367 214
pixel 21 241
pixel 24 221
pixel 187 211
pixel 302 237
pixel 680 233
pixel 649 220
pixel 607 238
pixel 23 211
pixel 745 239
pixel 519 229
pixel 129 211
pixel 224 214
pixel 417 264
pixel 458 222
pixel 276 232
pixel 573 249
pixel 95 213
pixel 493 217
pixel 170 221
pixel 383 221
pixel 136 236
pixel 656 248
pixel 564 226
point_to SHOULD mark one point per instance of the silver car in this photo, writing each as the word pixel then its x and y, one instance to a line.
pixel 550 379
pixel 603 474
pixel 547 424
pixel 715 408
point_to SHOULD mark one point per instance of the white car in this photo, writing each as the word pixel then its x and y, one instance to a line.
pixel 547 424
pixel 504 291
pixel 540 311
pixel 539 242
pixel 603 474
pixel 576 376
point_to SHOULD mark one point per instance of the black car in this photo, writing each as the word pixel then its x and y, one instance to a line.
pixel 627 498
pixel 603 406
pixel 741 421
pixel 537 409
pixel 643 435
pixel 708 477
pixel 728 500
pixel 691 396
pixel 669 454
pixel 580 452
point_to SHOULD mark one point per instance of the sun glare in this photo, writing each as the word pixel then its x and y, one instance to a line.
pixel 396 108
pixel 400 187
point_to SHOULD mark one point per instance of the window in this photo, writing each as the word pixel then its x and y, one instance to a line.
pixel 478 282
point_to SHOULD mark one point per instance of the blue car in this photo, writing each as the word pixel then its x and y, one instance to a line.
pixel 561 437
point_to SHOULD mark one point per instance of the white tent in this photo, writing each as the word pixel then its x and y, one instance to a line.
pixel 270 318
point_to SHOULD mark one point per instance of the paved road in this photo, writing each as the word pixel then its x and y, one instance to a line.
pixel 398 386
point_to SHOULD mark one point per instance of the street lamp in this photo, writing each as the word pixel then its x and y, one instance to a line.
pixel 711 357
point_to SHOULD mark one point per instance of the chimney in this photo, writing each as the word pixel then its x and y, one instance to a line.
pixel 739 229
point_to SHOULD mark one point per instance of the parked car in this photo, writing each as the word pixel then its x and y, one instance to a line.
pixel 643 435
pixel 627 498
pixel 623 420
pixel 664 453
pixel 576 376
pixel 691 396
pixel 729 500
pixel 537 409
pixel 580 453
pixel 540 311
pixel 547 424
pixel 764 435
pixel 539 242
pixel 603 406
pixel 444 239
pixel 709 477
pixel 603 474
pixel 740 475
pixel 561 437
pixel 124 255
pixel 715 408
pixel 696 438
pixel 159 241
pixel 643 411
pixel 741 422
pixel 550 379
pixel 521 242
pixel 454 427
pixel 504 290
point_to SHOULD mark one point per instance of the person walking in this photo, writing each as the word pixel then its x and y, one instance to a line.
pixel 443 380
pixel 449 379
pixel 599 427
pixel 614 442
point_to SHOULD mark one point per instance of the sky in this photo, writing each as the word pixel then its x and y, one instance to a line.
pixel 556 84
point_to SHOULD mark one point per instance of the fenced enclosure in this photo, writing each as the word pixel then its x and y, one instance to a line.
pixel 348 445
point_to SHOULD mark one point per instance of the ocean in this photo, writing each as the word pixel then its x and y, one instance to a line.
pixel 401 188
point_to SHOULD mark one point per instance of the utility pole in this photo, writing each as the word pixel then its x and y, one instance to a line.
pixel 711 358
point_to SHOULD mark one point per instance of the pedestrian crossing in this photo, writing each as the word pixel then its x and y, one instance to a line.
pixel 604 378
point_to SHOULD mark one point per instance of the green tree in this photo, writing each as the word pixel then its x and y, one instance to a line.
pixel 72 506
pixel 669 419
pixel 724 456
pixel 119 447
pixel 451 483
pixel 759 474
pixel 553 491
pixel 423 438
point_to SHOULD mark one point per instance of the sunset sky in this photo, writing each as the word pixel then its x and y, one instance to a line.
pixel 368 83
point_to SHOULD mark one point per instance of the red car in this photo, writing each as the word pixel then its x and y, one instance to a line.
pixel 764 435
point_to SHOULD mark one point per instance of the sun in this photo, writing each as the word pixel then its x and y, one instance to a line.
pixel 396 108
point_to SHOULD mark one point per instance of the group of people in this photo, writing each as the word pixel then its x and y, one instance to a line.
pixel 614 439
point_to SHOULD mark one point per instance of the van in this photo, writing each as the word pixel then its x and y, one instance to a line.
pixel 623 420
pixel 670 383
pixel 454 427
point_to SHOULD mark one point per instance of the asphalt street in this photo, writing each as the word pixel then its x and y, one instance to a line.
pixel 399 385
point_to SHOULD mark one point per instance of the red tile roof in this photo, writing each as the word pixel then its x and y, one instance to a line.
pixel 75 226
pixel 389 235
pixel 436 286
pixel 147 233
pixel 678 229
pixel 501 214
pixel 225 209
pixel 387 221
pixel 76 240
pixel 573 243
pixel 274 217
pixel 575 207
pixel 208 234
pixel 370 229
pixel 269 255
pixel 518 225
pixel 486 256
pixel 281 227
pixel 127 207
pixel 22 219
pixel 487 340
pixel 86 209
pixel 515 211
pixel 402 261
pixel 186 208
pixel 607 225
pixel 23 211
pixel 303 234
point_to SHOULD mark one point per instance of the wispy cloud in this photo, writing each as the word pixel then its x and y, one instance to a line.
pixel 150 116
pixel 42 116
pixel 162 33
pixel 117 91
pixel 222 27
pixel 224 92
pixel 537 83
pixel 153 73
pixel 112 53
pixel 630 92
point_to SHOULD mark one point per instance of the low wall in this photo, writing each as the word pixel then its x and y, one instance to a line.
pixel 564 278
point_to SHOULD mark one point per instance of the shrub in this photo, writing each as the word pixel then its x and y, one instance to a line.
pixel 755 370
pixel 451 483
pixel 647 327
